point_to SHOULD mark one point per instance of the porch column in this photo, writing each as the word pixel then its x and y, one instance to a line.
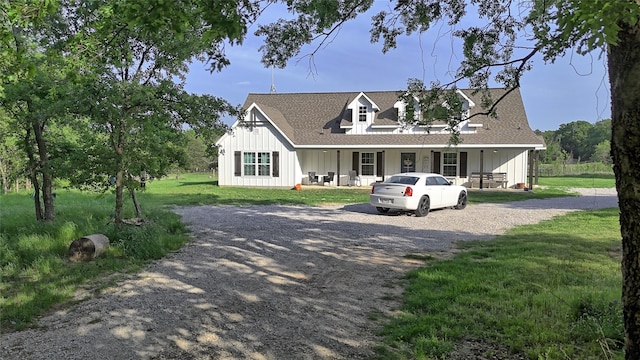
pixel 530 170
pixel 537 166
pixel 384 163
pixel 338 169
pixel 481 167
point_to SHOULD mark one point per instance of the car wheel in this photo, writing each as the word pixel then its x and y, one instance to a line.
pixel 462 201
pixel 382 210
pixel 423 206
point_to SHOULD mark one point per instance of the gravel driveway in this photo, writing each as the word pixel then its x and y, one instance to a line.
pixel 272 282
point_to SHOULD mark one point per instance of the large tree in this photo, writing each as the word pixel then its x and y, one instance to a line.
pixel 198 158
pixel 36 105
pixel 579 140
pixel 553 153
pixel 126 62
pixel 30 89
pixel 599 133
pixel 507 34
pixel 129 61
pixel 573 138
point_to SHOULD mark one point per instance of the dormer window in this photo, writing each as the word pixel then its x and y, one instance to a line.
pixel 362 113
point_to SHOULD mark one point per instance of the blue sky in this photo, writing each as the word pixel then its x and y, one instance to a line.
pixel 573 88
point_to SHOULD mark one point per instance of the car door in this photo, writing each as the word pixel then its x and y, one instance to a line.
pixel 449 197
pixel 434 189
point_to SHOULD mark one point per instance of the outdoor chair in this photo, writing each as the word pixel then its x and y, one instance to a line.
pixel 328 178
pixel 354 179
pixel 313 178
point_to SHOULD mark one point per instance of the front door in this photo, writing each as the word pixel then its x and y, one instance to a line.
pixel 407 162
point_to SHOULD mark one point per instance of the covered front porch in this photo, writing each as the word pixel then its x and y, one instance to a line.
pixel 337 167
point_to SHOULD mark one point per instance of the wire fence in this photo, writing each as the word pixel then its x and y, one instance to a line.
pixel 560 169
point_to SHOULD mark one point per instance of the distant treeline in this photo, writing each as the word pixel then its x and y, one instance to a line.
pixel 578 142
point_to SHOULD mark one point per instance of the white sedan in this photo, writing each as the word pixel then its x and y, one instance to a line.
pixel 417 192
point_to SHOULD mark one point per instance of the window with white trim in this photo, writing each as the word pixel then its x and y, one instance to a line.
pixel 362 113
pixel 264 164
pixel 249 161
pixel 449 164
pixel 368 163
pixel 257 163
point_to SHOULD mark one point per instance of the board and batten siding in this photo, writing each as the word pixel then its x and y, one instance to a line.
pixel 262 137
pixel 511 161
pixel 514 162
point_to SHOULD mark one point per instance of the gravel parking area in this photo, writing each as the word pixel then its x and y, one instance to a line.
pixel 272 282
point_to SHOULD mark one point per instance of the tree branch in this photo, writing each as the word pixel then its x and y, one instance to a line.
pixel 523 62
pixel 325 35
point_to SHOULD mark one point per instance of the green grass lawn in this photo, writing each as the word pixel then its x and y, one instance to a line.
pixel 549 291
pixel 34 273
pixel 499 196
pixel 486 292
pixel 201 189
pixel 579 181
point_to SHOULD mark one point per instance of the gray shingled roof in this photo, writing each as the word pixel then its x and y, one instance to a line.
pixel 313 119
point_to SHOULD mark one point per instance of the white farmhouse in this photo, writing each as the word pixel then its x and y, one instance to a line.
pixel 302 138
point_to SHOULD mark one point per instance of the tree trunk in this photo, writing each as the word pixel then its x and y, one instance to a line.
pixel 624 75
pixel 5 178
pixel 118 146
pixel 36 195
pixel 47 195
pixel 117 219
pixel 44 168
pixel 33 175
pixel 136 204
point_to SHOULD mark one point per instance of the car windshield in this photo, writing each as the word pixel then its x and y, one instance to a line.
pixel 407 180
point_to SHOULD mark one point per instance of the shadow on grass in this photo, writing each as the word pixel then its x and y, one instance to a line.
pixel 212 199
pixel 186 183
